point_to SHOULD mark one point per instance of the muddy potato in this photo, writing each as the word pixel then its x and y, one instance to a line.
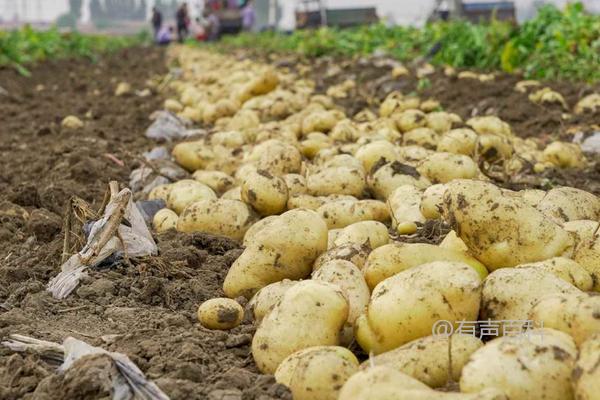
pixel 388 177
pixel 280 158
pixel 295 183
pixel 232 139
pixel 235 193
pixel 412 155
pixel 583 229
pixel 406 306
pixel 341 213
pixel 510 293
pixel 164 220
pixel 343 160
pixel 490 125
pixel 370 233
pixel 311 147
pixel 257 227
pixel 439 121
pixel 337 180
pixel 186 192
pixel 501 230
pixel 424 137
pixel 566 204
pixel 355 253
pixel 586 375
pixel 587 254
pixel 319 121
pixel 305 201
pixel 267 298
pixel 220 313
pixel 428 359
pixel 410 119
pixel 317 373
pixel 344 131
pixel 160 192
pixel 575 314
pixel 310 313
pixel 192 155
pixel 494 148
pixel 444 167
pixel 566 269
pixel 458 141
pixel 266 193
pixel 404 205
pixel 371 153
pixel 528 367
pixel 590 103
pixel 284 248
pixel 432 201
pixel 565 155
pixel 532 197
pixel 393 258
pixel 218 181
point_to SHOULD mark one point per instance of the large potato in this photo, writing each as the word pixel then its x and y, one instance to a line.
pixel 370 233
pixel 444 167
pixel 566 269
pixel 284 248
pixel 569 204
pixel 310 313
pixel 267 298
pixel 341 213
pixel 337 180
pixel 388 177
pixel 536 366
pixel 584 229
pixel 231 218
pixel 501 230
pixel 278 158
pixel 355 253
pixel 432 360
pixel 186 192
pixel 586 374
pixel 317 373
pixel 266 193
pixel 388 260
pixel 406 306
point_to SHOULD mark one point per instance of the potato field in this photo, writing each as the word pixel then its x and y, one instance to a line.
pixel 239 222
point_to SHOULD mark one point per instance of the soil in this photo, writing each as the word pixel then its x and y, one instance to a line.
pixel 148 310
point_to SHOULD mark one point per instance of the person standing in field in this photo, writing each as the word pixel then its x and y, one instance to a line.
pixel 213 25
pixel 156 21
pixel 248 15
pixel 182 18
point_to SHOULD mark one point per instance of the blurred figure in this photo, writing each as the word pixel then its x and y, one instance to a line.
pixel 164 35
pixel 248 15
pixel 156 20
pixel 183 20
pixel 213 25
pixel 197 30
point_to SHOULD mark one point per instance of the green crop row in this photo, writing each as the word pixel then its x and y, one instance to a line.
pixel 554 45
pixel 26 45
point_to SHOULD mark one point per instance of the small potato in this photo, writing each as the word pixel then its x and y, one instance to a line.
pixel 295 183
pixel 355 253
pixel 439 121
pixel 404 204
pixel 525 367
pixel 266 193
pixel 341 213
pixel 317 373
pixel 305 201
pixel 164 220
pixel 501 231
pixel 424 137
pixel 569 204
pixel 310 313
pixel 173 105
pixel 319 121
pixel 192 155
pixel 432 201
pixel 231 218
pixel 337 180
pixel 565 155
pixel 494 148
pixel 220 313
pixel 458 141
pixel 344 131
pixel 371 153
pixel 268 297
pixel 72 122
pixel 388 177
pixel 490 125
pixel 218 181
pixel 566 269
pixel 186 192
pixel 586 375
pixel 279 158
pixel 232 139
pixel 370 233
pixel 393 258
pixel 444 167
pixel 590 103
pixel 412 155
pixel 410 119
pixel 453 242
pixel 160 192
pixel 428 359
pixel 406 306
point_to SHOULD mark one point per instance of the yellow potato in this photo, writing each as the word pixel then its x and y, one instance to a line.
pixel 439 121
pixel 410 119
pixel 432 201
pixel 268 297
pixel 295 183
pixel 458 141
pixel 164 220
pixel 388 177
pixel 305 201
pixel 218 181
pixel 565 155
pixel 444 167
pixel 266 193
pixel 404 204
pixel 583 229
pixel 566 204
pixel 160 192
pixel 453 242
pixel 372 153
pixel 341 213
pixel 586 375
pixel 566 269
pixel 424 137
pixel 490 125
pixel 370 233
pixel 337 180
pixel 186 192
pixel 220 313
pixel 355 253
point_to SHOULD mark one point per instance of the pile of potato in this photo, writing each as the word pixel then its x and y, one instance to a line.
pixel 318 198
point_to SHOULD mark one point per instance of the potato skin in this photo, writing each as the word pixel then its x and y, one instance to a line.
pixel 586 375
pixel 231 218
pixel 267 298
pixel 444 167
pixel 337 180
pixel 310 314
pixel 341 213
pixel 371 233
pixel 569 204
pixel 317 373
pixel 164 220
pixel 186 192
pixel 566 269
pixel 266 193
pixel 220 313
pixel 405 306
pixel 355 253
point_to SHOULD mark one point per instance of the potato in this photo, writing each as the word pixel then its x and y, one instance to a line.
pixel 232 139
pixel 160 192
pixel 388 177
pixel 386 383
pixel 355 253
pixel 566 269
pixel 526 367
pixel 393 258
pixel 444 167
pixel 342 160
pixel 341 213
pixel 295 183
pixel 490 125
pixel 404 204
pixel 569 204
pixel 586 375
pixel 532 197
pixel 572 313
pixel 587 254
pixel 410 119
pixel 428 359
pixel 493 148
pixel 412 155
pixel 439 121
pixel 220 313
pixel 319 121
pixel 317 373
pixel 565 155
pixel 266 193
pixel 264 83
pixel 336 180
pixel 590 103
pixel 344 131
pixel 372 153
pixel 458 141
pixel 583 229
pixel 370 233
pixel 186 192
pixel 250 234
pixel 267 298
pixel 310 147
pixel 453 242
pixel 279 158
pixel 218 181
pixel 173 105
pixel 164 220
pixel 501 231
pixel 510 293
pixel 235 193
pixel 406 306
pixel 284 248
pixel 192 155
pixel 231 218
pixel 432 201
pixel 310 313
pixel 424 137
pixel 305 201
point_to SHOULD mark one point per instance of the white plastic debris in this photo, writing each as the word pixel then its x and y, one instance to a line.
pixel 167 126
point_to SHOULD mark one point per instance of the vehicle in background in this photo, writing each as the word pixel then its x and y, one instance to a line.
pixel 312 13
